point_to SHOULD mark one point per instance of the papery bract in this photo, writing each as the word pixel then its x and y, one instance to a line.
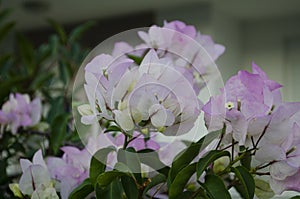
pixel 19 111
pixel 35 177
pixel 243 105
pixel 154 92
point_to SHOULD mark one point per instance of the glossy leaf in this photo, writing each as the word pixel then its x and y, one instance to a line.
pixel 180 181
pixel 104 179
pixel 151 158
pixel 215 187
pixel 113 191
pixel 130 188
pixel 136 59
pixel 188 155
pixel 246 187
pixel 83 190
pixel 98 163
pixel 209 158
pixel 112 128
pixel 246 160
pixel 131 159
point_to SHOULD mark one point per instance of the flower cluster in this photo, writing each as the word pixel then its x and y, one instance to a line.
pixel 157 94
pixel 19 111
pixel 143 96
pixel 252 111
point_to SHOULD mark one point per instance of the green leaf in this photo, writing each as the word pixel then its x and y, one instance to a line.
pixel 104 179
pixel 112 128
pixel 58 131
pixel 41 80
pixel 138 60
pixel 83 190
pixel 7 86
pixel 26 52
pixel 78 31
pixel 4 14
pixel 98 163
pixel 151 158
pixel 158 179
pixel 246 160
pixel 113 191
pixel 247 185
pixel 295 197
pixel 3 174
pixel 5 30
pixel 209 158
pixel 263 189
pixel 130 188
pixel 64 74
pixel 180 181
pixel 187 156
pixel 57 108
pixel 131 159
pixel 215 187
pixel 59 29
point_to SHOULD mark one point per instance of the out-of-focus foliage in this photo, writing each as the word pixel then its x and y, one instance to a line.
pixel 47 72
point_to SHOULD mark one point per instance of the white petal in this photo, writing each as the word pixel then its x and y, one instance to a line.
pixel 124 119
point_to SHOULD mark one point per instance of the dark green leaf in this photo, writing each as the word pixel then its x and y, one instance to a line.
pixel 3 174
pixel 130 188
pixel 180 181
pixel 131 159
pixel 187 156
pixel 7 86
pixel 113 191
pixel 26 52
pixel 83 190
pixel 104 179
pixel 246 160
pixel 209 158
pixel 78 31
pixel 158 179
pixel 59 29
pixel 215 187
pixel 247 185
pixel 112 128
pixel 41 80
pixel 151 158
pixel 64 74
pixel 4 14
pixel 5 30
pixel 57 108
pixel 136 59
pixel 98 163
pixel 295 197
pixel 58 131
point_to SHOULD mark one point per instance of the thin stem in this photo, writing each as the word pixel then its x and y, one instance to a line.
pixel 229 146
pixel 262 173
pixel 125 141
pixel 232 149
pixel 222 136
pixel 261 136
pixel 264 166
